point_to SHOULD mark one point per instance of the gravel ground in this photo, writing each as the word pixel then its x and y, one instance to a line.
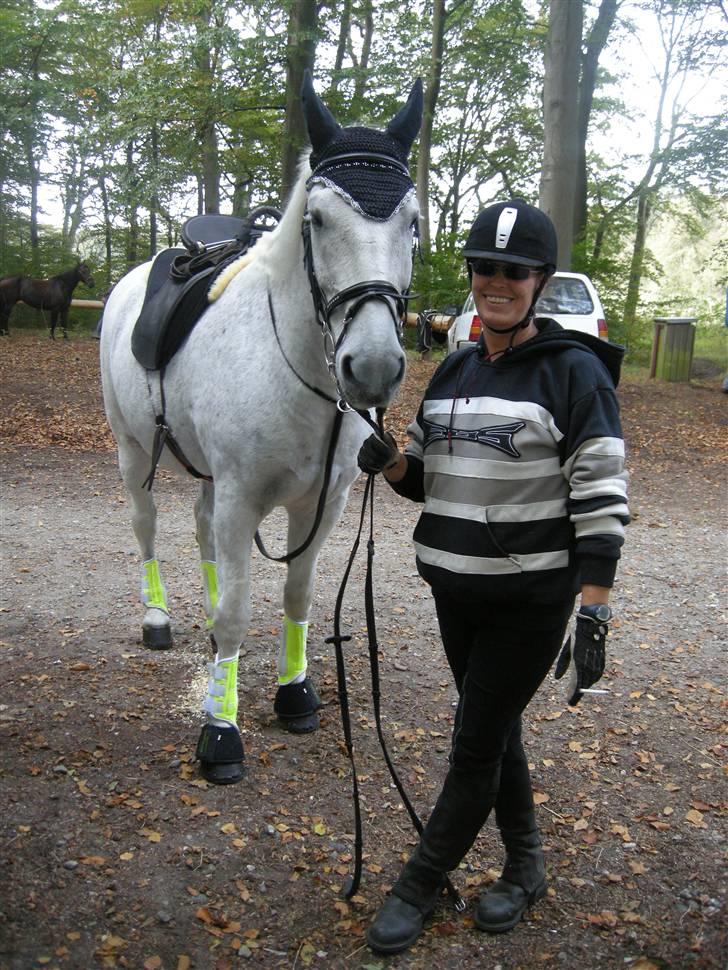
pixel 115 853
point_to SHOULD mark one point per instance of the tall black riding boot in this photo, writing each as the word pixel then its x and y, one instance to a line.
pixel 523 881
pixel 402 917
pixel 458 816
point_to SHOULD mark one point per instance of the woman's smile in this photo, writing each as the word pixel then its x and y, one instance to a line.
pixel 502 303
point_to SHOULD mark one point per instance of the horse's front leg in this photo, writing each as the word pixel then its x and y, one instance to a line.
pixel 134 466
pixel 296 700
pixel 220 747
pixel 52 324
pixel 64 322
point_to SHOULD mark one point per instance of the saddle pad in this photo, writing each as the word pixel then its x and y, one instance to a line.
pixel 170 311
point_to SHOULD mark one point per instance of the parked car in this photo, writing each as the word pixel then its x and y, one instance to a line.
pixel 568 298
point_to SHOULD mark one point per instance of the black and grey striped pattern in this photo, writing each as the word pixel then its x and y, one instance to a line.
pixel 524 482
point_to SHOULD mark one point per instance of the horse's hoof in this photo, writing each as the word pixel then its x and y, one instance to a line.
pixel 301 725
pixel 296 706
pixel 229 774
pixel 157 637
pixel 221 754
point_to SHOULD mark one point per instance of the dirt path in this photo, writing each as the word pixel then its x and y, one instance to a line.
pixel 114 853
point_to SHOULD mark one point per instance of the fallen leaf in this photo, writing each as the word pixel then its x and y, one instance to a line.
pixel 695 818
pixel 151 835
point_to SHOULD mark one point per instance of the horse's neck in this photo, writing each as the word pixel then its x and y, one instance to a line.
pixel 69 279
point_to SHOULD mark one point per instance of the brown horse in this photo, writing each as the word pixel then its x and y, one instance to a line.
pixel 53 295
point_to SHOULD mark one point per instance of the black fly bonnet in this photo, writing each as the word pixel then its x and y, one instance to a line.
pixel 367 168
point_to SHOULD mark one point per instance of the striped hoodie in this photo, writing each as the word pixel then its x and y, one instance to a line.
pixel 520 464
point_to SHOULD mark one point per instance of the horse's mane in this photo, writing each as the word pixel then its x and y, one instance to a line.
pixel 277 250
pixel 282 244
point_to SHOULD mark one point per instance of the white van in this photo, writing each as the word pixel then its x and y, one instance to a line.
pixel 568 298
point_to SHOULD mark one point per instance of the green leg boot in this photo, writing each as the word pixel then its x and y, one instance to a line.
pixel 522 883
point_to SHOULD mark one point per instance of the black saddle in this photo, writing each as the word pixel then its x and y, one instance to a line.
pixel 180 279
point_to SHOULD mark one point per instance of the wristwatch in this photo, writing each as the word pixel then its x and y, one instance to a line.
pixel 598 612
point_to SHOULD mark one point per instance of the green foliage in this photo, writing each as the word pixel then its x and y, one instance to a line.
pixel 124 107
pixel 440 281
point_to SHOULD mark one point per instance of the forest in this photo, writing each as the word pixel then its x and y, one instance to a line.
pixel 122 118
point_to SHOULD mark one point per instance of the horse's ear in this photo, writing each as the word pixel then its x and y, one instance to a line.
pixel 321 124
pixel 406 123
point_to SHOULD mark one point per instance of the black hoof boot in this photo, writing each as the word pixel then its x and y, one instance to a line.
pixel 503 905
pixel 157 637
pixel 296 706
pixel 396 926
pixel 221 755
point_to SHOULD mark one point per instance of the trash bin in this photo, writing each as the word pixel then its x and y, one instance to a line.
pixel 672 348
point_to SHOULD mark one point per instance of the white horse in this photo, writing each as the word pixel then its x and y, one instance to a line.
pixel 251 397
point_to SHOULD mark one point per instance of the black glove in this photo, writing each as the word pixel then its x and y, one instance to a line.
pixel 376 454
pixel 587 661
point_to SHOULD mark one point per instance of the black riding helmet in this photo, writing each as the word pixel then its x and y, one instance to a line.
pixel 514 232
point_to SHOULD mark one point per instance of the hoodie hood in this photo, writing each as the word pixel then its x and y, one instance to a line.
pixel 552 337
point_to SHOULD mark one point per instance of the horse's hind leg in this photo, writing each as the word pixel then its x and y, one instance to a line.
pixel 220 747
pixel 134 466
pixel 204 512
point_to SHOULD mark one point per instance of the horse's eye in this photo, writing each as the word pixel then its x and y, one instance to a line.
pixel 316 220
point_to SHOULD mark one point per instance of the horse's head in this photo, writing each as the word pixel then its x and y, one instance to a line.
pixel 84 274
pixel 360 223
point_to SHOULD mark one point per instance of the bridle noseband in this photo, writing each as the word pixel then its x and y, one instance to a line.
pixel 359 293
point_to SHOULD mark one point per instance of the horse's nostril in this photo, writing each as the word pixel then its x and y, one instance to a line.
pixel 347 369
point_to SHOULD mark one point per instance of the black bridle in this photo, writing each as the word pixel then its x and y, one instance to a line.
pixel 359 293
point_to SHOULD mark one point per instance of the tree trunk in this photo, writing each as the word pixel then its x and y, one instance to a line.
pixel 242 196
pixel 107 225
pixel 208 131
pixel 594 47
pixel 560 117
pixel 430 104
pixel 132 241
pixel 154 199
pixel 366 49
pixel 635 270
pixel 300 54
pixel 34 180
pixel 344 27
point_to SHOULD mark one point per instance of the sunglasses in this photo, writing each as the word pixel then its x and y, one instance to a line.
pixel 511 271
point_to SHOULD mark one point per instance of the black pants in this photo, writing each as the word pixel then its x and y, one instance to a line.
pixel 499 658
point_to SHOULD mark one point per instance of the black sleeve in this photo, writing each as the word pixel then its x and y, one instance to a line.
pixel 412 486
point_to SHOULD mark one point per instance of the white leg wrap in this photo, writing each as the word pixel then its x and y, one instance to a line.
pixel 292 652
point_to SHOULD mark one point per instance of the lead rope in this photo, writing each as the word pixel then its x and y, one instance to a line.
pixel 337 639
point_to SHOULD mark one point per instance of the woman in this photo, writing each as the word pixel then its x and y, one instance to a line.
pixel 517 454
